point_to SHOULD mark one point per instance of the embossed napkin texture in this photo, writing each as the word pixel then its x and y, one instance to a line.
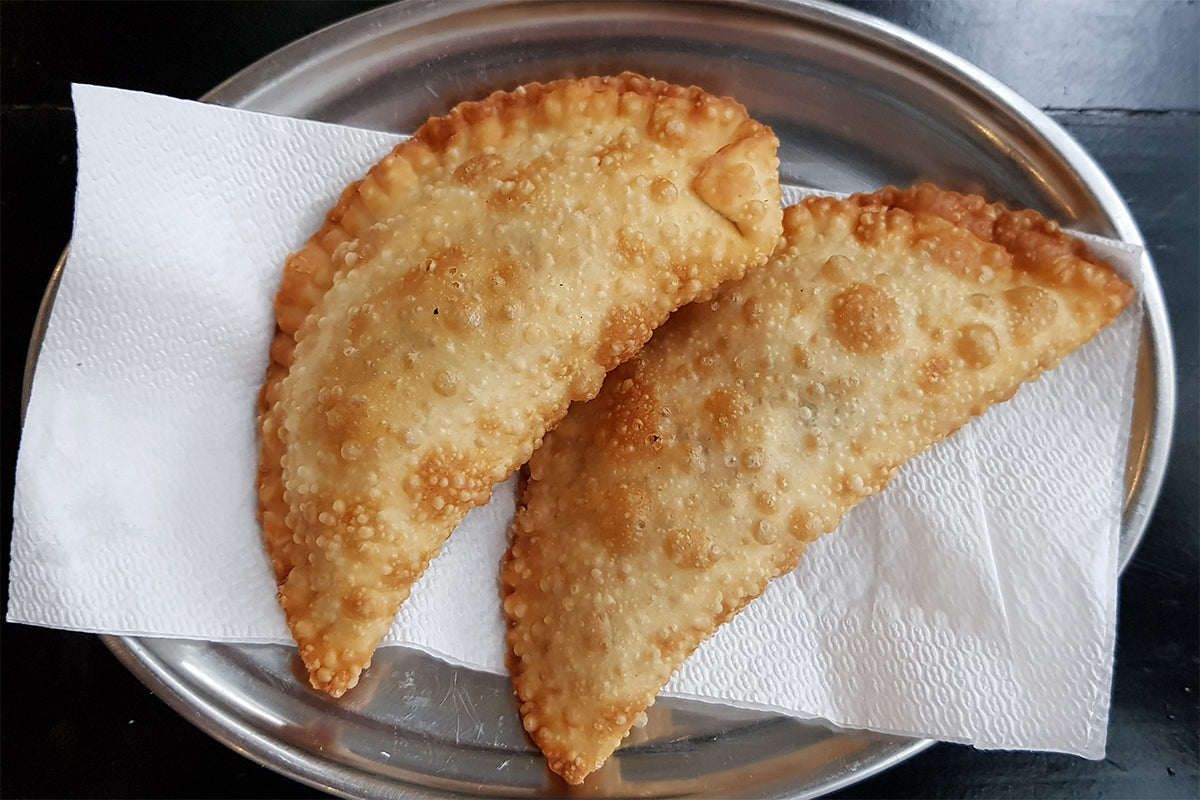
pixel 973 601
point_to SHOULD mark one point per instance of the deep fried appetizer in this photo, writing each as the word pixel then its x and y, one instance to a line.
pixel 481 277
pixel 749 425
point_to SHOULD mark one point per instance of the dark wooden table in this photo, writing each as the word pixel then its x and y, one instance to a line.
pixel 1122 77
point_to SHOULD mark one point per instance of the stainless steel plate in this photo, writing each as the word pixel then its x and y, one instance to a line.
pixel 856 104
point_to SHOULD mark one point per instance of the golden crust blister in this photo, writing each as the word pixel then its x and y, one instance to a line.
pixel 481 277
pixel 749 425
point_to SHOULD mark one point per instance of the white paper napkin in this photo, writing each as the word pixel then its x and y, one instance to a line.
pixel 972 601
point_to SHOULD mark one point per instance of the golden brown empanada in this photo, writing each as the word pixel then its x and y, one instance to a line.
pixel 749 425
pixel 481 277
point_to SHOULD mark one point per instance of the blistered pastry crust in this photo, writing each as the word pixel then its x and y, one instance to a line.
pixel 751 424
pixel 480 278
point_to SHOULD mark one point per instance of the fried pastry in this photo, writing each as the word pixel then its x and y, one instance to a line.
pixel 749 425
pixel 481 277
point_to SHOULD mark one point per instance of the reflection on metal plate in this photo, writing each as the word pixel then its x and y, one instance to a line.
pixel 856 104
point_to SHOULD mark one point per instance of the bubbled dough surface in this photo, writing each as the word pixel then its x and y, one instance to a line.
pixel 482 277
pixel 751 424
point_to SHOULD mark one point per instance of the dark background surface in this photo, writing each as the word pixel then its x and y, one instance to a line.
pixel 1123 78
